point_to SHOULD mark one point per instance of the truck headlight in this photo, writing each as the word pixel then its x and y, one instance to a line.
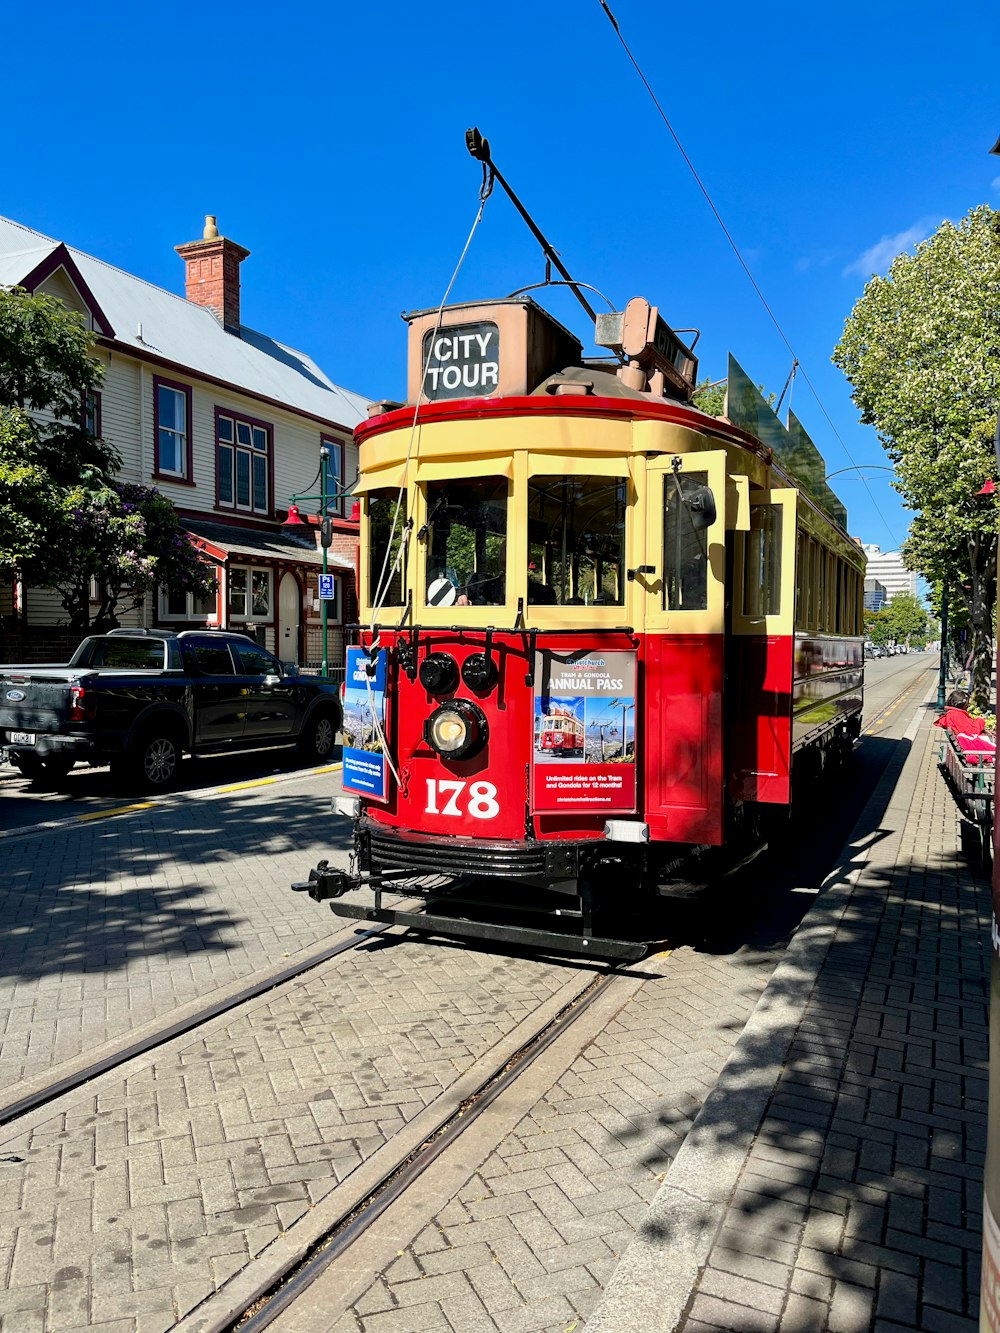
pixel 456 729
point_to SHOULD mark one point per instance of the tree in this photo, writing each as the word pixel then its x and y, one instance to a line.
pixel 710 397
pixel 906 618
pixel 47 368
pixel 126 538
pixel 921 349
pixel 64 520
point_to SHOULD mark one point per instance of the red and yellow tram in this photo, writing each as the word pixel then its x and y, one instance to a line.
pixel 543 539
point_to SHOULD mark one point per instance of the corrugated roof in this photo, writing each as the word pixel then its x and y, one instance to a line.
pixel 269 545
pixel 187 334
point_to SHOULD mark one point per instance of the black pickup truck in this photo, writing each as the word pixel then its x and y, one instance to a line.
pixel 140 699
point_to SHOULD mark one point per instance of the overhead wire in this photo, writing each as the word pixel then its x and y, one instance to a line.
pixel 736 251
pixel 388 572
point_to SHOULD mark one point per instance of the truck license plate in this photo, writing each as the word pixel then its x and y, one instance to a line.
pixel 21 737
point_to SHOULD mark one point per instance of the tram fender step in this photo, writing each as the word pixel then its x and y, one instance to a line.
pixel 593 946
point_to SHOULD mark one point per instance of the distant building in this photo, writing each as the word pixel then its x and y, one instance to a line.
pixel 887 568
pixel 875 595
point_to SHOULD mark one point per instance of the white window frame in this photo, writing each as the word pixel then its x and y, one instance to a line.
pixel 163 606
pixel 181 438
pixel 252 450
pixel 248 614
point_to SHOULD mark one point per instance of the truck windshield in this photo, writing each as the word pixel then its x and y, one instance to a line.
pixel 131 654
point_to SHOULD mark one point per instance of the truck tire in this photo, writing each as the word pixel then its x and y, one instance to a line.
pixel 151 762
pixel 317 742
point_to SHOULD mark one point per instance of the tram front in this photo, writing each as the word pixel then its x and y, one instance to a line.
pixel 497 692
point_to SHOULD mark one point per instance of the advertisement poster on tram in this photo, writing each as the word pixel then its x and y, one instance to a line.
pixel 365 767
pixel 584 747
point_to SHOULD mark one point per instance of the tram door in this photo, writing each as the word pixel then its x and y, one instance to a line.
pixel 762 649
pixel 684 653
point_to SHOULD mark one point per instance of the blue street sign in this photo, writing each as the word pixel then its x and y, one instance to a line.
pixel 327 590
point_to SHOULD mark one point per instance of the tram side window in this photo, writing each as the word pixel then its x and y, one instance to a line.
pixel 386 579
pixel 576 541
pixel 685 545
pixel 762 567
pixel 467 542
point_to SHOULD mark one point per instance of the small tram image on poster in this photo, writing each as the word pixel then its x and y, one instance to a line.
pixel 365 767
pixel 584 750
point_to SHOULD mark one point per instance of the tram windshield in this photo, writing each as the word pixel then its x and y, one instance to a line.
pixel 386 577
pixel 467 542
pixel 576 541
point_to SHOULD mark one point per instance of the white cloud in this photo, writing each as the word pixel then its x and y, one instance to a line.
pixel 878 257
pixel 995 182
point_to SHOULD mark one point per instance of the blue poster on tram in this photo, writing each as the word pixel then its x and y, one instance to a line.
pixel 365 767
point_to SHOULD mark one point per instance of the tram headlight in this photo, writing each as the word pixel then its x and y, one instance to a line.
pixel 438 673
pixel 456 730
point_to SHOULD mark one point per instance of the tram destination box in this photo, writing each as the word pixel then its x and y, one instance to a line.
pixel 485 350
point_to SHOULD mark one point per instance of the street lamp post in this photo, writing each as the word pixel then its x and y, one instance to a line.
pixel 943 664
pixel 325 538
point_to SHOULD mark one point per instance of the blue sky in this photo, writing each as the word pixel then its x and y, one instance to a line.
pixel 329 140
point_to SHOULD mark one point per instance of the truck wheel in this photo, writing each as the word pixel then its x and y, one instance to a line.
pixel 153 761
pixel 317 742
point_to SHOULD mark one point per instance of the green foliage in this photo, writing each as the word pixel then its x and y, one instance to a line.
pixel 921 349
pixel 47 366
pixel 710 397
pixel 63 521
pixel 127 537
pixel 29 506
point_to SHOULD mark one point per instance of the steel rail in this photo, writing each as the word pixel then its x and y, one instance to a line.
pixel 896 699
pixel 10 1111
pixel 329 1248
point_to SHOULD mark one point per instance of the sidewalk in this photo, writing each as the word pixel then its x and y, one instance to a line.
pixel 833 1178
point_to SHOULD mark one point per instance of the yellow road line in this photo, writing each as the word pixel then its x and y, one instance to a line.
pixel 263 782
pixel 120 810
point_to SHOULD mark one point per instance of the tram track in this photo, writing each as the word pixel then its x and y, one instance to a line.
pixel 895 702
pixel 122 1056
pixel 308 1260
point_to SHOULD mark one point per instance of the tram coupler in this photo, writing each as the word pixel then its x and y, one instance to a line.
pixel 325 883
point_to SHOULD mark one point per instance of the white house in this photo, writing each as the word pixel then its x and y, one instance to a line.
pixel 226 422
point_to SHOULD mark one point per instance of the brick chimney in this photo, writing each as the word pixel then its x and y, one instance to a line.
pixel 212 274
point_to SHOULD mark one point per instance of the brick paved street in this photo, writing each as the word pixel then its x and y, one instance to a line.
pixel 853 1202
pixel 141 1196
pixel 532 1236
pixel 114 924
pixel 843 1192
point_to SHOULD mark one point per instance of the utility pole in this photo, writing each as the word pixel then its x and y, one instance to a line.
pixel 943 667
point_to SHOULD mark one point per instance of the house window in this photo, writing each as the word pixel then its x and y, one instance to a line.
pixel 250 594
pixel 172 411
pixel 90 413
pixel 175 604
pixel 334 474
pixel 243 448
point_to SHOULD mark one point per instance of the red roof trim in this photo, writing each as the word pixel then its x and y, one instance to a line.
pixel 572 405
pixel 59 258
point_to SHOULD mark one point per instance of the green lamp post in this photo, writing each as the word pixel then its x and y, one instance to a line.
pixel 295 520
